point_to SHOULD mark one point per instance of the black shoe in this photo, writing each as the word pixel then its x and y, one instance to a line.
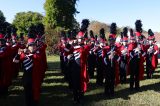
pixel 112 96
pixel 151 76
pixel 148 76
pixel 5 92
pixel 100 83
pixel 81 95
pixel 76 101
pixel 92 76
pixel 35 103
pixel 108 95
pixel 131 89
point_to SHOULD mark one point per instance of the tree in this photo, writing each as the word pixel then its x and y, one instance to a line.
pixel 2 18
pixel 60 13
pixel 75 24
pixel 3 24
pixel 23 20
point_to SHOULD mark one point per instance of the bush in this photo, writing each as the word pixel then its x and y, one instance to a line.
pixel 52 40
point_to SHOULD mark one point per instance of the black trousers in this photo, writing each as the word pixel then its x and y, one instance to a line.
pixel 149 70
pixel 69 73
pixel 27 84
pixel 100 71
pixel 66 69
pixel 91 65
pixel 3 88
pixel 75 70
pixel 3 91
pixel 123 70
pixel 109 80
pixel 62 64
pixel 134 73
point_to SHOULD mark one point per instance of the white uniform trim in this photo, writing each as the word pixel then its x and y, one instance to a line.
pixel 67 50
pixel 105 62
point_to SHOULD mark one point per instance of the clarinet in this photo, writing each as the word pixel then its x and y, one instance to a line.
pixel 111 53
pixel 137 50
pixel 124 55
pixel 2 49
pixel 151 50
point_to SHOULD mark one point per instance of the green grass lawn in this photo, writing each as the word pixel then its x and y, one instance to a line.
pixel 56 93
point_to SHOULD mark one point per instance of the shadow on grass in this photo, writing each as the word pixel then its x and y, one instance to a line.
pixel 51 73
pixel 57 93
pixel 124 94
pixel 55 81
pixel 157 71
pixel 53 65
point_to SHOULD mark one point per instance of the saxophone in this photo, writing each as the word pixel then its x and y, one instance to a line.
pixel 150 50
pixel 111 54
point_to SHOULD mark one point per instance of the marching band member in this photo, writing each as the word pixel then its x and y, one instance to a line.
pixel 111 60
pixel 136 66
pixel 99 52
pixel 124 56
pixel 142 47
pixel 41 48
pixel 91 56
pixel 151 58
pixel 21 41
pixel 5 66
pixel 63 41
pixel 78 65
pixel 15 46
pixel 30 59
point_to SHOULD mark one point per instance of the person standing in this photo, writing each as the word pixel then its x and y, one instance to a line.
pixel 152 55
pixel 111 60
pixel 91 56
pixel 99 52
pixel 30 59
pixel 5 71
pixel 136 66
pixel 124 56
pixel 78 64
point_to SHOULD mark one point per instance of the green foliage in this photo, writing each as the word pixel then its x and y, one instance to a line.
pixel 23 20
pixel 60 13
pixel 2 18
pixel 52 40
pixel 59 16
pixel 3 23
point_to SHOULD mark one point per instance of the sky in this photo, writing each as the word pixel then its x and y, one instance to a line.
pixel 123 12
